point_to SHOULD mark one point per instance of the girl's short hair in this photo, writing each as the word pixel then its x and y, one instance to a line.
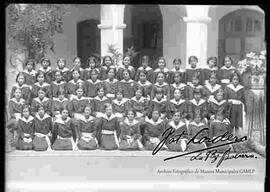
pixel 127 71
pixel 197 91
pixel 78 86
pixel 159 90
pixel 220 91
pixel 132 110
pixel 100 86
pixel 77 58
pixel 45 59
pixel 40 106
pixel 91 58
pixel 212 58
pixel 64 108
pixel 119 90
pixel 41 89
pixel 94 70
pixel 61 59
pixel 229 57
pixel 20 74
pixel 162 58
pixel 111 68
pixel 193 57
pixel 25 106
pixel 107 105
pixel 179 60
pixel 77 71
pixel 89 106
pixel 105 57
pixel 161 72
pixel 40 73
pixel 30 61
pixel 142 90
pixel 235 73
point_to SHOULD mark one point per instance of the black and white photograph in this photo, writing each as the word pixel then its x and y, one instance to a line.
pixel 135 97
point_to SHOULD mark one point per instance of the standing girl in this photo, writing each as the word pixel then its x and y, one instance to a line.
pixel 41 84
pixel 159 103
pixel 190 72
pixel 120 105
pixel 46 69
pixel 29 72
pixel 15 105
pixel 126 66
pixel 161 68
pixel 148 71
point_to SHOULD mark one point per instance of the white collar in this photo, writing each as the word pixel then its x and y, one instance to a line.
pixel 43 85
pixel 91 81
pixel 189 67
pixel 180 124
pixel 63 70
pixel 42 69
pixel 104 115
pixel 177 103
pixel 194 123
pixel 89 69
pixel 15 100
pixel 226 68
pixel 138 101
pixel 78 81
pixel 129 67
pixel 180 70
pixel 61 82
pixel 103 98
pixel 212 89
pixel 61 121
pixel 237 88
pixel 33 72
pixel 73 68
pixel 162 100
pixel 152 122
pixel 129 81
pixel 38 100
pixel 213 100
pixel 57 99
pixel 163 84
pixel 211 69
pixel 165 70
pixel 181 85
pixel 76 98
pixel 225 120
pixel 198 86
pixel 90 118
pixel 146 69
pixel 124 100
pixel 114 80
pixel 145 84
pixel 27 120
pixel 134 122
pixel 23 85
pixel 199 103
pixel 43 118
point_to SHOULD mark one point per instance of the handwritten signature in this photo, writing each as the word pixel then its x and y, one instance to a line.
pixel 227 138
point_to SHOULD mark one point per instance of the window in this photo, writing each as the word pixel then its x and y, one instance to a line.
pixel 249 25
pixel 257 26
pixel 238 25
pixel 228 26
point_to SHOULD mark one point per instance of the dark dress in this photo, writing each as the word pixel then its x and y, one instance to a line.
pixel 25 130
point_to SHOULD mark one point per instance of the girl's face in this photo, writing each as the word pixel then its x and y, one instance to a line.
pixel 111 73
pixel 197 96
pixel 126 75
pixel 40 78
pixel 29 66
pixel 126 61
pixel 87 111
pixel 177 65
pixel 219 96
pixel 212 63
pixel 176 117
pixel 79 92
pixel 161 64
pixel 119 96
pixel 92 64
pixel 75 75
pixel 64 114
pixel 41 94
pixel 94 75
pixel 138 93
pixel 177 78
pixel 160 78
pixel 130 115
pixel 45 64
pixel 227 62
pixel 195 81
pixel 109 111
pixel 193 63
pixel 235 80
pixel 20 79
pixel 77 63
pixel 101 92
pixel 58 76
pixel 26 112
pixel 177 94
pixel 61 64
pixel 18 93
pixel 155 115
pixel 142 77
pixel 41 112
pixel 159 96
pixel 213 80
pixel 107 61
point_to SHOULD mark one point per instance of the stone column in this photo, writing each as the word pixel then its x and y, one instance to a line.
pixel 111 27
pixel 196 34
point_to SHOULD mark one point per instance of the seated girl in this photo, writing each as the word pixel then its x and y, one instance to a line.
pixel 226 71
pixel 59 102
pixel 195 85
pixel 41 100
pixel 74 83
pixel 127 84
pixel 158 103
pixel 107 63
pixel 120 105
pixel 144 83
pixel 59 83
pixel 160 83
pixel 130 136
pixel 139 104
pixel 92 84
pixel 99 102
pixel 111 84
pixel 211 87
pixel 211 67
pixel 76 66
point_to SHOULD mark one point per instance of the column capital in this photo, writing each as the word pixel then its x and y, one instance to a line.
pixel 197 19
pixel 105 26
pixel 120 26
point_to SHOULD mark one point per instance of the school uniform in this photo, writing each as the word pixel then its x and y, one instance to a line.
pixel 30 76
pixel 87 133
pixel 99 105
pixel 211 90
pixel 45 86
pixel 64 132
pixel 77 105
pixel 164 86
pixel 109 132
pixel 26 92
pixel 206 73
pixel 191 88
pixel 219 128
pixel 175 144
pixel 130 136
pixel 120 107
pixel 153 133
pixel 159 105
pixel 110 87
pixel 149 73
pixel 236 96
pixel 155 73
pixel 92 87
pixel 15 108
pixel 140 106
pixel 173 72
pixel 120 71
pixel 193 106
pixel 224 74
pixel 193 129
pixel 173 106
pixel 58 104
pixel 182 87
pixel 25 130
pixel 46 103
pixel 72 86
pixel 48 74
pixel 146 86
pixel 43 132
pixel 65 73
pixel 190 72
pixel 214 106
pixel 128 87
pixel 55 87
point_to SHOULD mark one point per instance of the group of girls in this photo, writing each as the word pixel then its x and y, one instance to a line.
pixel 108 107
